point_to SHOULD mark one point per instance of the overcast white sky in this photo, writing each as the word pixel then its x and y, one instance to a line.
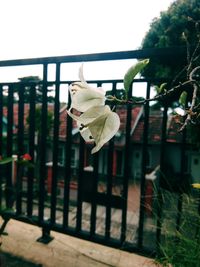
pixel 40 28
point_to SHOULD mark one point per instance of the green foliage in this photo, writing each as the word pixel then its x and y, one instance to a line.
pixel 160 89
pixel 181 247
pixel 179 26
pixel 25 163
pixel 30 80
pixel 38 120
pixel 167 31
pixel 21 162
pixel 132 72
pixel 6 160
pixel 183 98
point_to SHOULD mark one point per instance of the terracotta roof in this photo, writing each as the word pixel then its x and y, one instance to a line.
pixel 154 129
pixel 137 124
pixel 26 112
pixel 122 112
pixel 63 122
pixel 173 133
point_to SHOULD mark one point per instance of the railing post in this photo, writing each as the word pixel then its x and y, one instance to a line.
pixel 46 237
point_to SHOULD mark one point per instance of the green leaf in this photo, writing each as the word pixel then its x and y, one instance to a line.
pixel 161 88
pixel 182 98
pixel 157 88
pixel 132 72
pixel 25 163
pixel 6 160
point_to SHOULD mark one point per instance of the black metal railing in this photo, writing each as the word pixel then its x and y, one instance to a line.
pixel 98 214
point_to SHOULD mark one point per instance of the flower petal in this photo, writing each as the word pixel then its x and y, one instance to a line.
pixel 90 115
pixel 97 124
pixel 86 134
pixel 81 77
pixel 84 97
pixel 104 128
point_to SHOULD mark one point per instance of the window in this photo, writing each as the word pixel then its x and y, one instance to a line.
pixel 103 161
pixel 61 155
pixel 88 157
pixel 73 158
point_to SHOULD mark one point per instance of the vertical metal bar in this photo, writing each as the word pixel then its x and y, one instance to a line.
pixel 95 185
pixel 109 188
pixel 144 160
pixel 68 147
pixel 20 133
pixel 182 173
pixel 1 118
pixel 159 192
pixel 20 142
pixel 42 142
pixel 94 203
pixel 109 180
pixel 55 146
pixel 9 147
pixel 10 121
pixel 31 172
pixel 1 138
pixel 80 184
pixel 126 172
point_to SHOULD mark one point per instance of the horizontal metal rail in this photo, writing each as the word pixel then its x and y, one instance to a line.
pixel 138 54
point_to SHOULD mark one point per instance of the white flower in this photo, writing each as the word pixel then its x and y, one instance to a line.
pixel 98 124
pixel 84 96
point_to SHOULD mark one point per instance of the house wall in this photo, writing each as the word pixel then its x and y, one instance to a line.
pixel 136 159
pixel 194 166
pixel 153 159
pixel 173 156
pixel 154 151
pixel 172 159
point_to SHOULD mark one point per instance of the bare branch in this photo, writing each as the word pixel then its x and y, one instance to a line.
pixel 194 97
pixel 165 94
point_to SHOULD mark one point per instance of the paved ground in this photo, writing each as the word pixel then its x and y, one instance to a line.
pixel 65 251
pixel 116 216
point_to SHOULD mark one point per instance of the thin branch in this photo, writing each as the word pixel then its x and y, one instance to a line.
pixel 167 93
pixel 194 97
pixel 156 98
pixel 178 75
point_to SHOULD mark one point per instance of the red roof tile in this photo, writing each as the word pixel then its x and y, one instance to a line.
pixel 137 124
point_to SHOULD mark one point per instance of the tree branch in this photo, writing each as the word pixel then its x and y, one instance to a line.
pixel 194 97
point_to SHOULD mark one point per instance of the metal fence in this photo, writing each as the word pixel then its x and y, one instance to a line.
pixel 88 207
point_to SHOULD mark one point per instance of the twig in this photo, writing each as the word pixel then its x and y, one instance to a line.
pixel 194 97
pixel 167 93
pixel 156 98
